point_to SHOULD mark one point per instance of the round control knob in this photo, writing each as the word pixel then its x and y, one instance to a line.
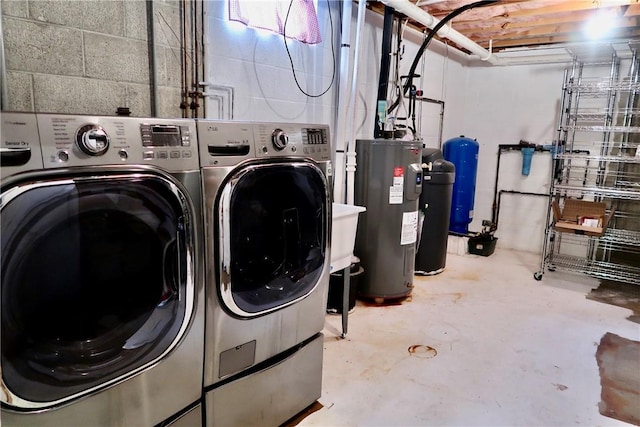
pixel 92 140
pixel 279 139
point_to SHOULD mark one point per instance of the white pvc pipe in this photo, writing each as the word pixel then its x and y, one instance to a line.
pixel 341 137
pixel 414 12
pixel 351 143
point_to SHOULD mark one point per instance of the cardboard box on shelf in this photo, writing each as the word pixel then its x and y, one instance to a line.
pixel 581 217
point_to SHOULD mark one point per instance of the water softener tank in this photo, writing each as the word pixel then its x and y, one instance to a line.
pixel 463 153
pixel 388 182
pixel 438 176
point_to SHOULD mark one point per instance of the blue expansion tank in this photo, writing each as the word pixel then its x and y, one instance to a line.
pixel 463 153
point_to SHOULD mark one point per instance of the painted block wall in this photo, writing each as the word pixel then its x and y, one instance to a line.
pixel 90 57
pixel 255 64
pixel 503 105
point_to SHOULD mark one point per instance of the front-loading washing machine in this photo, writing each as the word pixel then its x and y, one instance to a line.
pixel 266 192
pixel 102 300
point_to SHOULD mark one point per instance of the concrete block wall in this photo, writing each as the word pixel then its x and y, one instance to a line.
pixel 90 57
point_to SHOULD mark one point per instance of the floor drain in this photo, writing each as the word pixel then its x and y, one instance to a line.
pixel 423 351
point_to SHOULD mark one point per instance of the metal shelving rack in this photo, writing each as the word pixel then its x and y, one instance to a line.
pixel 597 158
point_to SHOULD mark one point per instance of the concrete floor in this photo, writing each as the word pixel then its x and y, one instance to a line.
pixel 481 344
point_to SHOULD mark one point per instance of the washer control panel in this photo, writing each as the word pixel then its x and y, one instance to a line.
pixel 69 140
pixel 225 143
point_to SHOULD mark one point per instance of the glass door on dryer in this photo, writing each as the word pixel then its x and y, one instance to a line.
pixel 96 282
pixel 272 229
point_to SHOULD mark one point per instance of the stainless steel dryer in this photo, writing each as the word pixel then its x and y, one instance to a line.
pixel 102 301
pixel 266 209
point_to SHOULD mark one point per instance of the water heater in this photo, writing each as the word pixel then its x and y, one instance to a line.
pixel 463 153
pixel 388 183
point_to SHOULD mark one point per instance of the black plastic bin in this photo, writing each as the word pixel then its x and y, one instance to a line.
pixel 435 208
pixel 336 287
pixel 482 244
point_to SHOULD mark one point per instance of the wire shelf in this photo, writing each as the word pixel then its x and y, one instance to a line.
pixel 616 159
pixel 599 113
pixel 600 85
pixel 578 191
pixel 599 269
pixel 612 240
pixel 585 116
pixel 594 176
pixel 582 128
pixel 597 144
pixel 622 237
pixel 595 160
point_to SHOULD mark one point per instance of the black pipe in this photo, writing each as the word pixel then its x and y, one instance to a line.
pixel 431 100
pixel 494 205
pixel 497 194
pixel 501 148
pixel 425 44
pixel 385 65
pixel 151 48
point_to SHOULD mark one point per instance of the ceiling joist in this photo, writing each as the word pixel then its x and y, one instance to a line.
pixel 527 23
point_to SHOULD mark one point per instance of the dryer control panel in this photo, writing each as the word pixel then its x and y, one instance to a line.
pixel 224 143
pixel 69 140
pixel 19 143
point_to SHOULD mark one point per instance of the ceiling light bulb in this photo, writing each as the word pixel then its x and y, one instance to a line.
pixel 601 24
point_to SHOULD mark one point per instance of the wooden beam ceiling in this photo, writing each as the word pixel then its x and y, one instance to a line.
pixel 527 23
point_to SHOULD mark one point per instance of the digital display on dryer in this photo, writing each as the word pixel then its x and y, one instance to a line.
pixel 314 136
pixel 164 136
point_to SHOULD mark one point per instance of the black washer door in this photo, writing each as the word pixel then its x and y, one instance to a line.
pixel 274 219
pixel 94 283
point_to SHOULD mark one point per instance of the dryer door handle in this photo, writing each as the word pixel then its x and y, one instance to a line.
pixel 174 269
pixel 14 156
pixel 229 150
